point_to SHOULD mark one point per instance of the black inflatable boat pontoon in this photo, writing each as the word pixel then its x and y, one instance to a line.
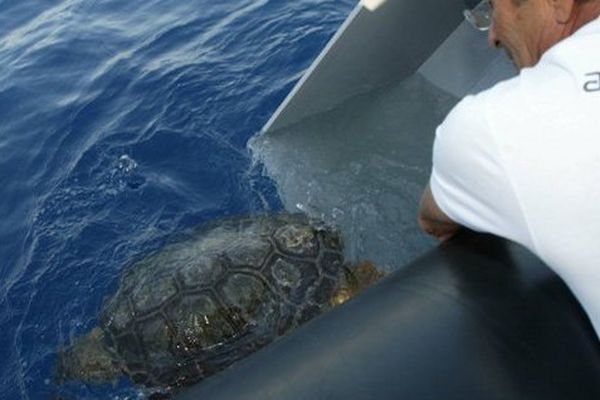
pixel 477 318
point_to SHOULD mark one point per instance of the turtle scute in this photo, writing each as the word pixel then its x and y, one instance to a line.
pixel 202 303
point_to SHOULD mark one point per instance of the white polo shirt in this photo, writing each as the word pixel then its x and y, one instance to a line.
pixel 522 161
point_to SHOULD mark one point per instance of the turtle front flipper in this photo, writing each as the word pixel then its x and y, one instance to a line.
pixel 88 360
pixel 355 279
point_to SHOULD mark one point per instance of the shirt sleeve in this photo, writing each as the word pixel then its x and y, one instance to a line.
pixel 468 181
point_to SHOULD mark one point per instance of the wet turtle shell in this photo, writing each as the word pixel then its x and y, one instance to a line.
pixel 199 305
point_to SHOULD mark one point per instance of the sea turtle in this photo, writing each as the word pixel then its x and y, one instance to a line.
pixel 202 303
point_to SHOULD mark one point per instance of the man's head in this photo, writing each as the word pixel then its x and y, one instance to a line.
pixel 527 28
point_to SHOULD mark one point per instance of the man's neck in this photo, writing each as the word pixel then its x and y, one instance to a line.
pixel 584 13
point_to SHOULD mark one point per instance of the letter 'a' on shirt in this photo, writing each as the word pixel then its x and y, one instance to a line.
pixel 522 161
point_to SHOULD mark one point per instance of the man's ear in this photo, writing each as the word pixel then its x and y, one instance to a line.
pixel 563 10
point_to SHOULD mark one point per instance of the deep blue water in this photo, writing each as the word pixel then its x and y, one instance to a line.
pixel 121 124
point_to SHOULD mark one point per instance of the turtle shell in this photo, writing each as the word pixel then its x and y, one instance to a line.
pixel 200 304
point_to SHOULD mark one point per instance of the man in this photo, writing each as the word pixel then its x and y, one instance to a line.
pixel 522 160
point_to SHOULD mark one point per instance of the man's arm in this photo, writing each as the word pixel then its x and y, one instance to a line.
pixel 433 220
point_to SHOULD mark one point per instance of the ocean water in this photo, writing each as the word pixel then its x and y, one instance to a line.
pixel 121 124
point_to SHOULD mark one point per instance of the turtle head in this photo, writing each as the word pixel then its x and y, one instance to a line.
pixel 355 279
pixel 88 360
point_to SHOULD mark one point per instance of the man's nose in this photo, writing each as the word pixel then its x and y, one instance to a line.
pixel 493 40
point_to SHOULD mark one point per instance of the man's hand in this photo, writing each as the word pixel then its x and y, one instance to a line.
pixel 433 220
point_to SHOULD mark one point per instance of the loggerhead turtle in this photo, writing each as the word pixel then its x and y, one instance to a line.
pixel 200 304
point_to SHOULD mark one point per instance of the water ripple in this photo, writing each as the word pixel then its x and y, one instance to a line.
pixel 125 122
